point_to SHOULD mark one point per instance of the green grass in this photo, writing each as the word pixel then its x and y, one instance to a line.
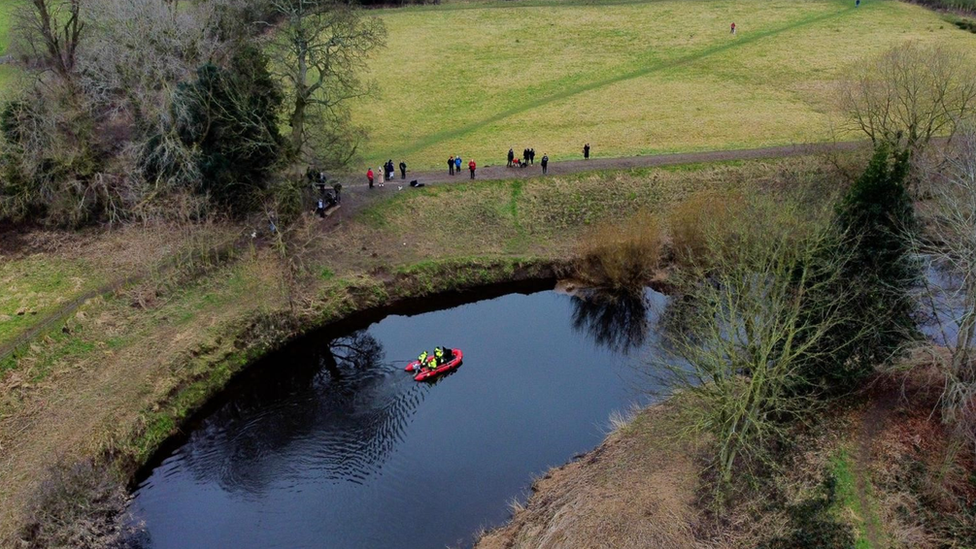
pixel 842 467
pixel 36 286
pixel 6 22
pixel 628 77
pixel 8 74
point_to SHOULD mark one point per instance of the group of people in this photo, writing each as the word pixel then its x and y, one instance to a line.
pixel 441 356
pixel 387 172
pixel 528 157
pixel 454 165
pixel 327 197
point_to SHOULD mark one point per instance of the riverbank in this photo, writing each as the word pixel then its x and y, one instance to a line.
pixel 870 473
pixel 121 374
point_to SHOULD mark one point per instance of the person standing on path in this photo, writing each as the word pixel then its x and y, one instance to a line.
pixel 545 164
pixel 369 176
pixel 511 157
pixel 586 151
pixel 403 170
pixel 472 166
pixel 457 164
pixel 382 171
pixel 531 156
pixel 733 27
pixel 450 165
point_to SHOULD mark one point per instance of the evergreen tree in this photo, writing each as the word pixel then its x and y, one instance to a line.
pixel 875 218
pixel 228 118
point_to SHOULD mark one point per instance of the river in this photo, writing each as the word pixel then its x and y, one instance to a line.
pixel 332 445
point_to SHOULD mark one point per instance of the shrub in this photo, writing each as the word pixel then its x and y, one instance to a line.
pixel 52 161
pixel 693 222
pixel 621 256
pixel 79 506
pixel 877 219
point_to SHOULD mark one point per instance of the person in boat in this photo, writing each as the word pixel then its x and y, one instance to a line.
pixel 422 359
pixel 443 355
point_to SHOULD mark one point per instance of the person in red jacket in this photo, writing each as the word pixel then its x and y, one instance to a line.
pixel 369 175
pixel 472 166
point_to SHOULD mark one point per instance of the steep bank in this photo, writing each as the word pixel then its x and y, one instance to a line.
pixel 636 490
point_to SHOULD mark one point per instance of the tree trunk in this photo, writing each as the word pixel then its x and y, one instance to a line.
pixel 298 125
pixel 301 103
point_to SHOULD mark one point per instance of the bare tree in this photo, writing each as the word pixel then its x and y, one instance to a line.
pixel 319 51
pixel 910 94
pixel 951 243
pixel 139 51
pixel 744 332
pixel 51 30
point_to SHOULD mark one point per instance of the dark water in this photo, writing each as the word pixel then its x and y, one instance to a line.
pixel 335 446
pixel 941 303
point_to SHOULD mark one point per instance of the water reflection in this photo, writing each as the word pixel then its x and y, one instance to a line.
pixel 615 321
pixel 942 303
pixel 340 416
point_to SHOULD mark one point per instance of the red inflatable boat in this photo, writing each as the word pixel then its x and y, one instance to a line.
pixel 428 373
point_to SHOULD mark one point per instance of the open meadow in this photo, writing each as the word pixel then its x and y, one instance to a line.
pixel 628 77
pixel 6 72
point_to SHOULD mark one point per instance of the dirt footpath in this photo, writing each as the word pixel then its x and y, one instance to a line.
pixel 492 172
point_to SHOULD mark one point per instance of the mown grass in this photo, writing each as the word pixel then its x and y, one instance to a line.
pixel 8 74
pixel 6 22
pixel 629 77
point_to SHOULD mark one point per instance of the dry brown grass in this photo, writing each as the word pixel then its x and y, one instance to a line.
pixel 693 222
pixel 621 255
pixel 81 506
pixel 635 490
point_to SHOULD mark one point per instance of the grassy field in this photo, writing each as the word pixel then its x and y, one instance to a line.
pixel 7 73
pixel 6 15
pixel 627 77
